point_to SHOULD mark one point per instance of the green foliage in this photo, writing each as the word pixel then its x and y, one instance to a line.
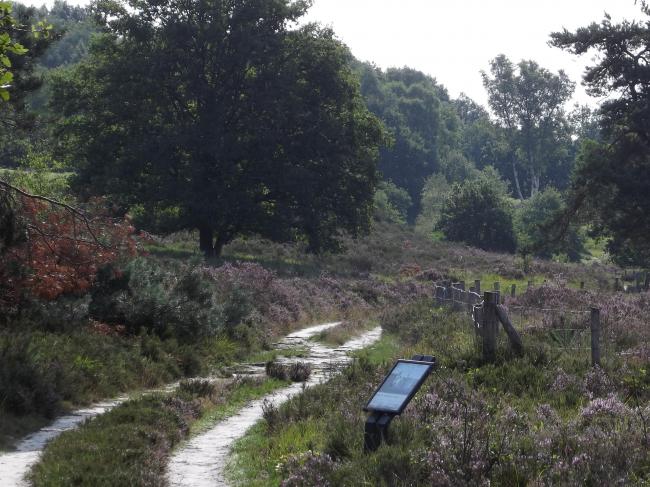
pixel 8 46
pixel 38 174
pixel 612 180
pixel 435 192
pixel 391 203
pixel 478 213
pixel 528 102
pixel 23 37
pixel 239 140
pixel 143 432
pixel 416 110
pixel 169 302
pixel 532 218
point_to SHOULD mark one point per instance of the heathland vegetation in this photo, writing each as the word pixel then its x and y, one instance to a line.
pixel 182 183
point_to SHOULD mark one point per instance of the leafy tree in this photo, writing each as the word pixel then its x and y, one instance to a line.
pixel 50 248
pixel 612 180
pixel 528 102
pixel 435 193
pixel 23 37
pixel 531 219
pixel 423 125
pixel 219 116
pixel 479 213
pixel 391 202
pixel 75 27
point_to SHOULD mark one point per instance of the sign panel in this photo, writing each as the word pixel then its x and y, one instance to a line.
pixel 399 386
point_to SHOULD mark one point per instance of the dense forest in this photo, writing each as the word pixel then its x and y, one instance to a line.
pixel 183 183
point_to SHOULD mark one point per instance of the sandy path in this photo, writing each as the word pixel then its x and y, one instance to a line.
pixel 201 462
pixel 15 465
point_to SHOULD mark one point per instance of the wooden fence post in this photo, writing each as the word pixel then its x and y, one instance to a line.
pixel 513 335
pixel 490 325
pixel 595 336
pixel 582 285
pixel 530 285
pixel 513 291
pixel 617 284
pixel 477 286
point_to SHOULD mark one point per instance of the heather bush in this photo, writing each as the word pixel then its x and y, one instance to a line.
pixel 308 470
pixel 198 387
pixel 299 371
pixel 276 370
pixel 295 372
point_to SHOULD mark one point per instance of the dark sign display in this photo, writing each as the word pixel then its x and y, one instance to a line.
pixel 399 386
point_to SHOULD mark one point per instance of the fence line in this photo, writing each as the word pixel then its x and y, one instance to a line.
pixel 487 311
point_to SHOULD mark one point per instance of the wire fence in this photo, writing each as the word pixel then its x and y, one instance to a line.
pixel 563 330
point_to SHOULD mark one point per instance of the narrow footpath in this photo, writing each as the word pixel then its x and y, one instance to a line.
pixel 202 460
pixel 15 465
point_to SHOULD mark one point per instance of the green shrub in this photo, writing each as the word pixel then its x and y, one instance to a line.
pixel 26 387
pixel 478 213
pixel 170 301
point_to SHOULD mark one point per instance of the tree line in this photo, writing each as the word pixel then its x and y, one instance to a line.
pixel 228 117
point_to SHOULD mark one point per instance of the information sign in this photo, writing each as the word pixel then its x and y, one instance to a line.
pixel 399 386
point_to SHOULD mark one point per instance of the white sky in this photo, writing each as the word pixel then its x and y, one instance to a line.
pixel 453 40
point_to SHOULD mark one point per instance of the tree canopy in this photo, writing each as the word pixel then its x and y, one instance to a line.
pixel 528 101
pixel 422 123
pixel 478 213
pixel 221 116
pixel 612 179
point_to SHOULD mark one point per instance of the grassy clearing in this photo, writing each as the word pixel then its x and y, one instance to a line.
pixel 515 422
pixel 130 445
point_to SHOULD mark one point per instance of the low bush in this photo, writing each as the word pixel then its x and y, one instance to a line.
pixel 296 371
pixel 299 371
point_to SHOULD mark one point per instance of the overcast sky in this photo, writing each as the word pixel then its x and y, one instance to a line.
pixel 453 40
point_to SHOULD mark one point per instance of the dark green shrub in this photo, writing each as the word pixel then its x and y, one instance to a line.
pixel 170 301
pixel 26 387
pixel 478 213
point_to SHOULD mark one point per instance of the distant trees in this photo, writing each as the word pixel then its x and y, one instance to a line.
pixel 478 213
pixel 612 180
pixel 214 115
pixel 23 37
pixel 423 125
pixel 528 102
pixel 532 218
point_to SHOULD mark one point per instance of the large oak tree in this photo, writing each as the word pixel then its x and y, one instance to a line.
pixel 223 116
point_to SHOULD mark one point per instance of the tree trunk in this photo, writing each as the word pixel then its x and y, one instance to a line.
pixel 206 241
pixel 222 239
pixel 517 185
pixel 534 184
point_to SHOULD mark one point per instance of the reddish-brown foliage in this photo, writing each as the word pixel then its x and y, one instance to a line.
pixel 61 250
